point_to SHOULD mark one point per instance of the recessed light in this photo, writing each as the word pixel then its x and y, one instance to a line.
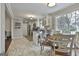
pixel 51 4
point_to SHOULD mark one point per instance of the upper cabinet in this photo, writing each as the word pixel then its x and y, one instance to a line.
pixel 48 22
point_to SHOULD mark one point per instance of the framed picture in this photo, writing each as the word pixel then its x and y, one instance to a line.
pixel 17 25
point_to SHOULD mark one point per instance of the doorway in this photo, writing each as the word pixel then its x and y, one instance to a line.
pixel 7 29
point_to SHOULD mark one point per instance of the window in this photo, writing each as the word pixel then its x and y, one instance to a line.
pixel 68 23
pixel 77 20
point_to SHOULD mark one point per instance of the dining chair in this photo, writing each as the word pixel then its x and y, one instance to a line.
pixel 62 43
pixel 76 44
pixel 45 47
pixel 62 50
pixel 77 39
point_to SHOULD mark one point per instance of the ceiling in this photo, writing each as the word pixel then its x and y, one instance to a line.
pixel 35 9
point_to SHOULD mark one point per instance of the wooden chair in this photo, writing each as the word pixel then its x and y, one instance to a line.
pixel 76 44
pixel 77 39
pixel 62 46
pixel 45 46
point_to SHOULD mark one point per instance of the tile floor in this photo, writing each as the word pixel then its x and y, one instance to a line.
pixel 24 47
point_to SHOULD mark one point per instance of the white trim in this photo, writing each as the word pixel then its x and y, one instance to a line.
pixel 2 28
pixel 8 5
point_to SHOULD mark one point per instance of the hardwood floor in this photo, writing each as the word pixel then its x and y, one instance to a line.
pixel 30 38
pixel 7 43
pixel 24 47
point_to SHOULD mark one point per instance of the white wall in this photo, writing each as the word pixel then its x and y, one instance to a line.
pixel 25 29
pixel 7 23
pixel 37 22
pixel 18 33
pixel 10 12
pixel 2 28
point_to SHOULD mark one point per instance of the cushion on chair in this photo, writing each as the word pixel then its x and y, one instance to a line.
pixel 63 52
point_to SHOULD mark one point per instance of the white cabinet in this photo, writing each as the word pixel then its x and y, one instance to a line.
pixel 35 38
pixel 48 21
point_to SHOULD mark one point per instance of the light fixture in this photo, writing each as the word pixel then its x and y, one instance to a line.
pixel 30 15
pixel 31 18
pixel 51 4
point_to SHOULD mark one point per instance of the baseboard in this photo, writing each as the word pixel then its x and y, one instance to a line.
pixel 2 54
